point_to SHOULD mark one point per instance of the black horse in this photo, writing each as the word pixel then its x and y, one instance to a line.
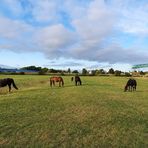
pixel 130 85
pixel 7 81
pixel 77 80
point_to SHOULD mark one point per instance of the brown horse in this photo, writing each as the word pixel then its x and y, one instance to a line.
pixel 56 79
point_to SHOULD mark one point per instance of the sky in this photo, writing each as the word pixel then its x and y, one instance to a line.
pixel 59 34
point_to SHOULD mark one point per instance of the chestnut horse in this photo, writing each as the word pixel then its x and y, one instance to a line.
pixel 56 79
pixel 9 82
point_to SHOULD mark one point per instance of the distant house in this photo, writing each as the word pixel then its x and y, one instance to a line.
pixel 136 74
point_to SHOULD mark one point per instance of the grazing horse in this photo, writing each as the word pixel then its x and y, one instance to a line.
pixel 130 85
pixel 56 79
pixel 7 81
pixel 77 80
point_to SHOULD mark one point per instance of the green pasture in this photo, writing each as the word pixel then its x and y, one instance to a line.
pixel 96 114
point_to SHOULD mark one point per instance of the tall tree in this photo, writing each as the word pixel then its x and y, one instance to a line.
pixel 84 71
pixel 111 71
pixel 75 71
pixel 69 70
pixel 117 72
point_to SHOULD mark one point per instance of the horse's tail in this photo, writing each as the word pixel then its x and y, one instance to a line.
pixel 80 82
pixel 71 79
pixel 14 84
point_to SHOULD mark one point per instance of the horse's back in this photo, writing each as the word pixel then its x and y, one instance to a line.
pixel 77 78
pixel 131 83
pixel 134 82
pixel 5 81
pixel 56 79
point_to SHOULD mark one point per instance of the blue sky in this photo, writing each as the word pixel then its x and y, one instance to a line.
pixel 78 34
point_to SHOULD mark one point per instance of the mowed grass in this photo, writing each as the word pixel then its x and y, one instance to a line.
pixel 96 114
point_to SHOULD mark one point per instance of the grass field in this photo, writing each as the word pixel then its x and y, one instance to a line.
pixel 96 114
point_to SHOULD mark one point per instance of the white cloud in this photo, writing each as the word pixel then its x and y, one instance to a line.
pixel 95 26
pixel 44 10
pixel 13 6
pixel 16 35
pixel 54 40
pixel 12 28
pixel 92 22
pixel 132 16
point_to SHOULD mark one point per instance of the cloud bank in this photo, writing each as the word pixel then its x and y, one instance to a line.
pixel 84 30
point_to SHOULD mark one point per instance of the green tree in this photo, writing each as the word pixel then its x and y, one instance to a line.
pixel 69 70
pixel 75 71
pixel 117 72
pixel 111 71
pixel 93 72
pixel 43 71
pixel 127 74
pixel 32 68
pixel 84 71
pixel 142 73
pixel 101 71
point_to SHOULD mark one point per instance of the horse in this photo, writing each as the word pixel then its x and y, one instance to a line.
pixel 77 80
pixel 56 79
pixel 130 85
pixel 7 81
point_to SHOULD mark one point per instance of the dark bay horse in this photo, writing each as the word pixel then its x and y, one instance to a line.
pixel 56 79
pixel 77 80
pixel 130 85
pixel 9 82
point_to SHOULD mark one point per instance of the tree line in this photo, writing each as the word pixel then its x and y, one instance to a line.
pixel 84 71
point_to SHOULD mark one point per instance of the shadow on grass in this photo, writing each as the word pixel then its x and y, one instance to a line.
pixel 137 91
pixel 73 85
pixel 3 93
pixel 66 86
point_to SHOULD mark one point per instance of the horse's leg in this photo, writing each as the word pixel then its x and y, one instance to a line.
pixel 50 83
pixel 129 88
pixel 9 87
pixel 53 82
pixel 134 88
pixel 76 83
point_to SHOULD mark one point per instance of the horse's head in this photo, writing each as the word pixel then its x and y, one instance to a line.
pixel 125 88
